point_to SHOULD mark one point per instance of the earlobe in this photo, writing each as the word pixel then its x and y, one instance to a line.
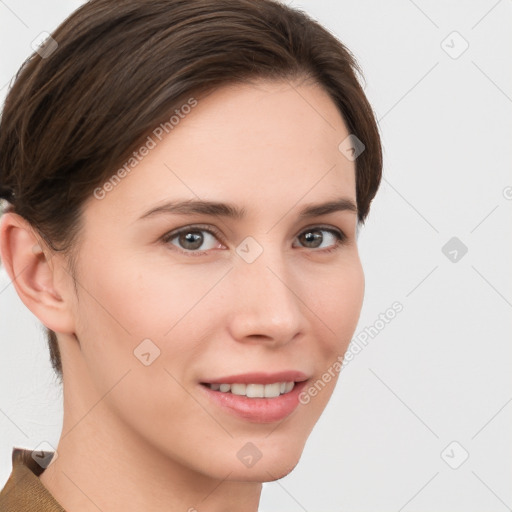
pixel 33 271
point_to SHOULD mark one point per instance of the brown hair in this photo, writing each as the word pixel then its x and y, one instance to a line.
pixel 76 111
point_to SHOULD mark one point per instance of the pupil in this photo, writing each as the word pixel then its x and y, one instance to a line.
pixel 311 237
pixel 193 238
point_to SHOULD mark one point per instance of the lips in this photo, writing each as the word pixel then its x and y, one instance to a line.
pixel 256 410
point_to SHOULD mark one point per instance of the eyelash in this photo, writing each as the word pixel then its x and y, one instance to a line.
pixel 341 238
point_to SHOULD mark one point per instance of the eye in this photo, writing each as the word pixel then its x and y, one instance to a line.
pixel 191 238
pixel 313 238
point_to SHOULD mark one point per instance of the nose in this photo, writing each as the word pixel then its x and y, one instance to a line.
pixel 266 303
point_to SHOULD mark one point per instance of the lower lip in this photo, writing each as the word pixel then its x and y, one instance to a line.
pixel 257 410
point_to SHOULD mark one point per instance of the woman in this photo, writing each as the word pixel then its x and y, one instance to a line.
pixel 185 182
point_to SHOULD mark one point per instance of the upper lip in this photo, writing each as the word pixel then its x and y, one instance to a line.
pixel 260 378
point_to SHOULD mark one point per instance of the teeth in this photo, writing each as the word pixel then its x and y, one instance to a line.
pixel 238 389
pixel 270 390
pixel 255 390
pixel 289 386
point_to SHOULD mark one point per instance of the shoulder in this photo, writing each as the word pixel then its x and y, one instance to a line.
pixel 23 490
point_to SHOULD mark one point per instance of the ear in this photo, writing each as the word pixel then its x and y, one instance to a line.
pixel 36 273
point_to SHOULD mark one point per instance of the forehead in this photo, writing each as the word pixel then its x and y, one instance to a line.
pixel 257 144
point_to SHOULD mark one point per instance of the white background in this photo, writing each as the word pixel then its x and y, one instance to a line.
pixel 440 371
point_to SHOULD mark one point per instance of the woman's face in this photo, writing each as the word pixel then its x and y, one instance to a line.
pixel 269 290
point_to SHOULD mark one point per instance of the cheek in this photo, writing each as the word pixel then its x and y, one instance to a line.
pixel 338 309
pixel 350 299
pixel 339 301
pixel 138 298
pixel 129 301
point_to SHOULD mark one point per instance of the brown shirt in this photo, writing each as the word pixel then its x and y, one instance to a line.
pixel 23 491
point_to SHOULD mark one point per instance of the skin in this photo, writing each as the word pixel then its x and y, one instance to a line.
pixel 139 437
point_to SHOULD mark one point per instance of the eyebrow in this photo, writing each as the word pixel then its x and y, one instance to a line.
pixel 229 210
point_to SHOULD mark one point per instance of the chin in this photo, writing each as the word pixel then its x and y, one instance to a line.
pixel 270 471
pixel 281 472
